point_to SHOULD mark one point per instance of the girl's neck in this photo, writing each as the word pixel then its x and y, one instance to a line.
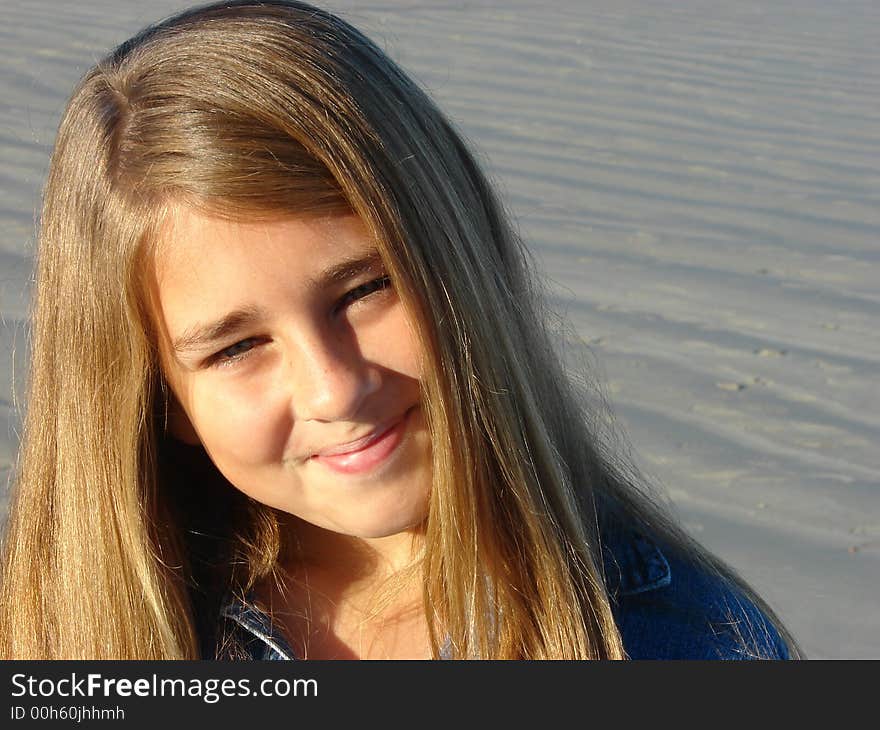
pixel 347 597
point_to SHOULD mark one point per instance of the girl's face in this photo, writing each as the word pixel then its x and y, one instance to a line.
pixel 296 368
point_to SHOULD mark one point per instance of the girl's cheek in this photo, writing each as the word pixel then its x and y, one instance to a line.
pixel 246 422
pixel 394 345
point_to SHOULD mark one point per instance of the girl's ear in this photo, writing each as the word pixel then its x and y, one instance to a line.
pixel 179 425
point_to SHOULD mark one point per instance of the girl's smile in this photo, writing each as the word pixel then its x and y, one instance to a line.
pixel 367 453
pixel 295 367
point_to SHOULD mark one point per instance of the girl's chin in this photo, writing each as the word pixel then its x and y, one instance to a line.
pixel 378 527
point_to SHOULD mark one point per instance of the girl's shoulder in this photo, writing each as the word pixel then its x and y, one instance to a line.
pixel 668 606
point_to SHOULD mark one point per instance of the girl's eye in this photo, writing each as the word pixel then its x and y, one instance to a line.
pixel 364 290
pixel 234 352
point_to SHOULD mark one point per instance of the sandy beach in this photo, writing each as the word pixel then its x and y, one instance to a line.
pixel 700 184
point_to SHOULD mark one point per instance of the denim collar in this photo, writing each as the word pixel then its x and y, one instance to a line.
pixel 632 562
pixel 258 627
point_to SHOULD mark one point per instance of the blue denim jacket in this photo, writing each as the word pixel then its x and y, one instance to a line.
pixel 665 608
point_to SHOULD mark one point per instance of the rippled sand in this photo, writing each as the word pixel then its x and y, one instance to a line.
pixel 701 185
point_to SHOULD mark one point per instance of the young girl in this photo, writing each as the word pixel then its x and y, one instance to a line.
pixel 293 393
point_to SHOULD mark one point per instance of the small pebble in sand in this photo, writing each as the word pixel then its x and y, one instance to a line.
pixel 862 546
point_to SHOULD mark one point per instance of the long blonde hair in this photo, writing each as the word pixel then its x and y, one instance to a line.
pixel 262 110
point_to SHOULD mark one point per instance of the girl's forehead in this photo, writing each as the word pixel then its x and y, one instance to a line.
pixel 188 234
pixel 203 251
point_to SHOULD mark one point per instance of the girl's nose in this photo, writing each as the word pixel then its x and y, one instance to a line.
pixel 329 378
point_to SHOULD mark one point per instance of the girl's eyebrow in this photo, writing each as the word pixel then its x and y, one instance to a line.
pixel 200 337
pixel 348 269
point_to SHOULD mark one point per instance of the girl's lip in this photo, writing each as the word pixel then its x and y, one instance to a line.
pixel 365 453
